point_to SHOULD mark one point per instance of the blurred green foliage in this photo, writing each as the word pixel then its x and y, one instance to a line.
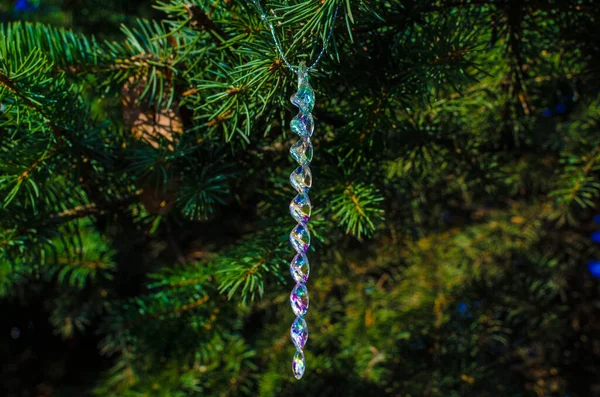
pixel 144 191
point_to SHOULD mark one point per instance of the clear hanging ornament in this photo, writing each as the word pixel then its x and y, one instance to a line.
pixel 300 209
pixel 301 179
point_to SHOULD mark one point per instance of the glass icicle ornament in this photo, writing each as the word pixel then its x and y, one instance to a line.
pixel 300 208
pixel 301 179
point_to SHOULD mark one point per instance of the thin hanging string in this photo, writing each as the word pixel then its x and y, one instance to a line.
pixel 287 63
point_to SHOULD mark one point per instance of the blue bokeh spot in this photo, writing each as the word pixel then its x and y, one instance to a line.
pixel 24 6
pixel 594 268
pixel 463 310
pixel 596 237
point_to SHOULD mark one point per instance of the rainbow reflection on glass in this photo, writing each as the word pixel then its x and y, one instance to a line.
pixel 300 209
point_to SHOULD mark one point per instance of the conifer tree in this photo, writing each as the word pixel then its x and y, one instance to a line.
pixel 144 162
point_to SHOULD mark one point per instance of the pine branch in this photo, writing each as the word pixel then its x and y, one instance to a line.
pixel 86 210
pixel 201 21
pixel 58 132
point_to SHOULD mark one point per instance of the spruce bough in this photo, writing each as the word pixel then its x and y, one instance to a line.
pixel 143 194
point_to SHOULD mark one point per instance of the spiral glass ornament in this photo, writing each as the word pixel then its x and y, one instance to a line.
pixel 300 208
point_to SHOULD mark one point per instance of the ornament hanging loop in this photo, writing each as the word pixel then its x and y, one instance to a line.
pixel 264 17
